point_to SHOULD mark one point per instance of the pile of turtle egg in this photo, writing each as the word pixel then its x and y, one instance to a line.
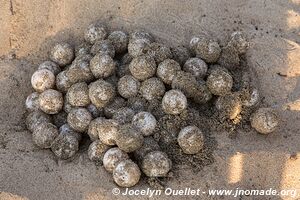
pixel 102 88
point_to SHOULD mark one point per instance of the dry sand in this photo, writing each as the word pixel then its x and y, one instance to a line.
pixel 249 161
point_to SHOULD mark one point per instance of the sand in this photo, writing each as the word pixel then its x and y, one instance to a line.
pixel 247 160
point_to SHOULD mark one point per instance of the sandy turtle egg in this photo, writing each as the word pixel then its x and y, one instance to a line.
pixel 51 66
pixel 156 164
pixel 62 54
pixel 193 44
pixel 32 102
pixel 174 102
pixel 159 52
pixel 167 69
pixel 103 47
pixel 128 86
pixel 66 129
pixel 63 83
pixel 101 93
pixel 250 97
pixel 152 88
pixel 180 54
pixel 144 122
pixel 239 41
pixel 112 157
pixel 138 47
pixel 119 39
pixel 42 80
pixel 229 105
pixel 78 95
pixel 65 146
pixel 94 110
pixel 202 94
pixel 219 82
pixel 44 134
pixel 80 70
pixel 149 145
pixel 51 101
pixel 208 50
pixel 107 129
pixel 129 139
pixel 36 118
pixel 126 174
pixel 229 58
pixel 94 32
pixel 60 119
pixel 111 108
pixel 96 151
pixel 187 83
pixel 84 57
pixel 82 49
pixel 79 119
pixel 196 67
pixel 191 140
pixel 93 128
pixel 123 115
pixel 142 67
pixel 139 34
pixel 196 90
pixel 264 120
pixel 213 68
